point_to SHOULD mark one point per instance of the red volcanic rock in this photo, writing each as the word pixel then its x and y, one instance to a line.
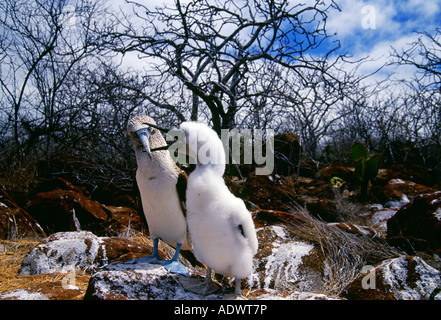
pixel 397 189
pixel 270 192
pixel 403 278
pixel 263 218
pixel 16 222
pixel 415 173
pixel 67 210
pixel 58 183
pixel 82 250
pixel 123 219
pixel 420 219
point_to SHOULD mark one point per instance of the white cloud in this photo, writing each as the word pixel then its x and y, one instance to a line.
pixel 357 16
pixel 421 7
pixel 393 19
pixel 395 26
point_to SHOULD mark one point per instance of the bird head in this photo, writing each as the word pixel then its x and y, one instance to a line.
pixel 203 144
pixel 145 134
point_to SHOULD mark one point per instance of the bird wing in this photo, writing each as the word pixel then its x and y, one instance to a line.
pixel 250 233
pixel 245 226
pixel 181 188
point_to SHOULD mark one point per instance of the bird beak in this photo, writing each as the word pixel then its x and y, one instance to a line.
pixel 143 135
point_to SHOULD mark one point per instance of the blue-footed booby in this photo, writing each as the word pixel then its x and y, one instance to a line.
pixel 162 186
pixel 221 228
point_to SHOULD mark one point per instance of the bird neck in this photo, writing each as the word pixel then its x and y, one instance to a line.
pixel 159 161
pixel 218 169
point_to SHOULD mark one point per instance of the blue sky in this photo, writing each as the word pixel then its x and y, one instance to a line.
pixel 393 21
pixel 369 28
pixel 393 25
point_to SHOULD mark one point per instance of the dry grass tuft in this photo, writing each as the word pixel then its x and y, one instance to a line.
pixel 51 285
pixel 12 253
pixel 345 253
pixel 11 256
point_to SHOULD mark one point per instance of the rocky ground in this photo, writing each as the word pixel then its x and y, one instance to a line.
pixel 67 236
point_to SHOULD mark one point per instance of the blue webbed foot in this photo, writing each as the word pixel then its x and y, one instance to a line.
pixel 149 259
pixel 175 267
pixel 154 258
pixel 172 265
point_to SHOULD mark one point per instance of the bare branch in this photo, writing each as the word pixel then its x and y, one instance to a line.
pixel 210 46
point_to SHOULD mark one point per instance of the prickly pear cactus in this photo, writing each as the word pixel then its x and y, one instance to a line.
pixel 366 167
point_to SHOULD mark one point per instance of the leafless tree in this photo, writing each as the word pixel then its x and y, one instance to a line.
pixel 310 106
pixel 425 55
pixel 206 57
pixel 43 42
